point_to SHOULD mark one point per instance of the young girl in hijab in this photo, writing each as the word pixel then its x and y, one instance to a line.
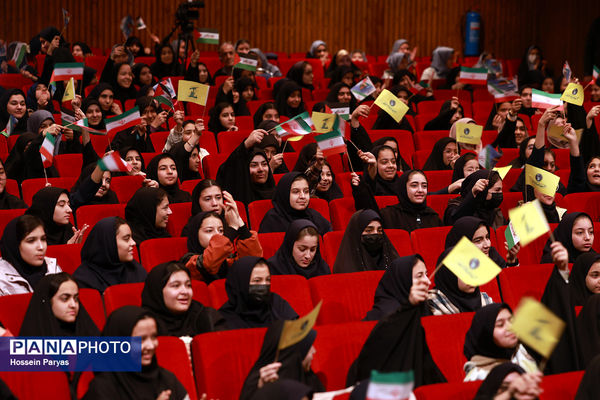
pixel 168 295
pixel 93 112
pixel 214 244
pixel 385 121
pixel 290 203
pixel 39 98
pixel 533 68
pixel 142 75
pixel 228 93
pixel 464 166
pixel 104 94
pixel 442 61
pixel 266 111
pixel 7 200
pixel 222 119
pixel 197 71
pixel 122 83
pixel 490 342
pixel 299 253
pixel 465 146
pixel 104 195
pixel 12 103
pixel 509 381
pixel 293 363
pixel 166 63
pixel 147 213
pixel 442 157
pixel 152 382
pixel 365 245
pixel 163 169
pixel 300 73
pixel 24 262
pixel 251 303
pixel 55 310
pixel 327 188
pixel 391 142
pixel 450 112
pixel 380 171
pixel 289 101
pixel 480 196
pixel 513 132
pixel 588 333
pixel 576 232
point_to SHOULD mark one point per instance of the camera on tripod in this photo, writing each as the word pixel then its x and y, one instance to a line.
pixel 186 13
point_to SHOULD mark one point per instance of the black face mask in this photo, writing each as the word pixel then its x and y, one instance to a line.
pixel 259 294
pixel 373 242
pixel 495 201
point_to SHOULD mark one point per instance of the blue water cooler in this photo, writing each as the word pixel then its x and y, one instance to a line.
pixel 472 33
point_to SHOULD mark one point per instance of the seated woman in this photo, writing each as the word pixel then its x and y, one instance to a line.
pixel 7 200
pixel 222 119
pixel 90 107
pixel 381 171
pixel 509 381
pixel 299 253
pixel 385 121
pixel 443 155
pixel 55 310
pixel 152 382
pixel 513 132
pixel 24 262
pixel 340 93
pixel 104 94
pixel 327 188
pixel 214 244
pixel 147 213
pixel 293 363
pixel 289 101
pixel 266 112
pixel 139 135
pixel 251 304
pixel 168 295
pixel 450 112
pixel 490 342
pixel 576 232
pixel 166 63
pixel 271 146
pixel 365 246
pixel 104 195
pixel 465 146
pixel 290 203
pixel 122 83
pixel 442 63
pixel 163 169
pixel 464 166
pixel 12 103
pixel 107 256
pixel 480 196
pixel 187 154
pixel 228 93
pixel 208 196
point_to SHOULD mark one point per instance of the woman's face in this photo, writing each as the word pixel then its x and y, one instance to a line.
pixel 65 302
pixel 16 106
pixel 470 167
pixel 450 152
pixel 496 188
pixel 583 234
pixel 404 48
pixel 343 59
pixel 260 275
pixel 177 293
pixel 146 329
pixel 543 198
pixel 162 213
pixel 271 115
pixel 106 99
pixel 548 85
pixel 125 243
pixel 299 194
pixel 326 179
pixel 550 163
pixel 294 99
pixel 416 188
pixel 344 95
pixel 227 117
pixel 44 125
pixel 481 239
pixel 33 247
pixel 374 228
pixel 211 199
pixel 307 75
pixel 463 287
pixel 166 55
pixel 386 164
pixel 125 76
pixel 595 92
pixel 248 93
pixel 394 146
pixel 62 210
pixel 503 109
pixel 304 250
pixel 592 280
pixel 357 56
pixel 458 114
pixel 135 159
pixel 210 227
pixel 94 114
pixel 529 147
pixel 194 160
pixel 134 48
pixel 593 171
pixel 145 76
pixel 348 79
pixel 503 336
pixel 419 274
pixel 41 92
pixel 105 186
pixel 167 172
pixel 520 132
pixel 202 73
pixel 2 178
pixel 259 169
pixel 77 52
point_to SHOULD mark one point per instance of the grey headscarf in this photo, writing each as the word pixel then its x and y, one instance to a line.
pixel 394 61
pixel 439 58
pixel 36 119
pixel 315 44
pixel 268 67
pixel 397 45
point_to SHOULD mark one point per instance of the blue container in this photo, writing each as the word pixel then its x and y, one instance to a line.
pixel 472 34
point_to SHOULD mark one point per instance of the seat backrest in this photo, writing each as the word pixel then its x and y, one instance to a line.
pixel 125 186
pixel 346 297
pixel 92 301
pixel 36 385
pixel 561 386
pixel 12 187
pixel 588 202
pixel 68 256
pixel 452 390
pixel 12 311
pixel 424 140
pixel 152 251
pixel 406 146
pixel 439 202
pixel 228 141
pixel 211 164
pixel 8 215
pixel 340 211
pixel 429 243
pixel 401 241
pixel 159 139
pixel 437 180
pixel 270 243
pixel 68 164
pixel 331 245
pixel 93 213
pixel 234 351
pixel 179 218
pixel 510 200
pixel 525 280
pixel 530 254
pixel 29 187
pixel 172 355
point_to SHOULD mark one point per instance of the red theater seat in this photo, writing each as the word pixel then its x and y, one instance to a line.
pixel 179 218
pixel 68 164
pixel 8 215
pixel 92 214
pixel 588 202
pixel 172 355
pixel 341 210
pixel 37 385
pixel 453 390
pixel 126 186
pixel 271 242
pixel 68 256
pixel 525 280
pixel 154 251
pixel 31 186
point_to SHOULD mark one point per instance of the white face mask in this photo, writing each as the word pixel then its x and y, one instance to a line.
pixel 531 58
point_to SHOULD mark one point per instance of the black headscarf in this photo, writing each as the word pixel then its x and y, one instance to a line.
pixel 435 162
pixel 194 321
pixel 16 161
pixel 239 311
pixel 175 194
pixel 489 387
pixel 244 82
pixel 281 100
pixel 42 206
pixel 258 115
pixel 332 96
pixel 161 70
pixel 40 320
pixel 588 329
pixel 100 265
pixel 588 387
pixel 577 286
pixel 137 71
pixel 87 103
pixel 283 263
pixel 140 214
pixel 447 283
pixel 282 215
pixel 488 215
pixel 353 256
pixel 306 157
pixel 291 359
pixel 394 287
pixel 564 234
pixel 109 197
pixel 401 164
pixel 295 74
pixel 7 200
pixel 97 91
pixel 9 246
pixel 334 191
pixel 123 152
pixel 283 389
pixel 194 246
pixel 480 336
pixel 122 93
pixel 147 384
pixel 459 165
pixel 21 126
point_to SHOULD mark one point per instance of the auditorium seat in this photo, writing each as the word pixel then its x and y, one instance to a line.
pixel 8 215
pixel 530 254
pixel 452 390
pixel 257 210
pixel 292 288
pixel 211 164
pixel 341 210
pixel 425 140
pixel 588 202
pixel 37 385
pixel 524 280
pixel 68 165
pixel 507 156
pixel 229 141
pixel 438 180
pixel 420 158
pixel 561 386
pixel 92 214
pixel 179 218
pixel 68 256
pixel 159 139
pixel 126 186
pixel 429 243
pixel 510 200
pixel 29 187
pixel 153 251
pixel 429 107
pixel 510 179
pixel 271 242
pixel 346 297
pixel 189 185
pixel 12 187
pixel 290 160
pixel 172 355
pixel 92 301
pixel 406 146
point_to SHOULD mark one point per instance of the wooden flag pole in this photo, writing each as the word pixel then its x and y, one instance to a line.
pixel 435 270
pixel 349 162
pixel 46 176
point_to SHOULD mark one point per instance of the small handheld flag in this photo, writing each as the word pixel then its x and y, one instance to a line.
pixel 69 90
pixel 323 121
pixel 363 89
pixel 10 126
pixel 488 157
pixel 468 133
pixel 18 58
pixel 193 92
pixel 470 264
pixel 301 124
pixel 390 385
pixel 295 330
pixel 207 35
pixel 529 221
pixel 541 99
pixel 502 171
pixel 473 76
pixel 139 24
pixel 126 26
pixel 66 71
pixel 542 180
pixel 595 74
pixel 83 124
pixel 573 94
pixel 113 162
pixel 165 86
pixel 47 149
pixel 66 17
pixel 126 120
pixel 511 236
pixel 391 105
pixel 503 90
pixel 332 142
pixel 248 62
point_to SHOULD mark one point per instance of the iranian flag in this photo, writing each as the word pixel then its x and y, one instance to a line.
pixel 83 124
pixel 10 126
pixel 123 121
pixel 301 124
pixel 541 99
pixel 19 55
pixel 595 74
pixel 66 71
pixel 246 61
pixel 47 150
pixel 206 35
pixel 473 76
pixel 331 143
pixel 390 385
pixel 113 162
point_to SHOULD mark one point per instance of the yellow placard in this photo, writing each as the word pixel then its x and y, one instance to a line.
pixel 468 133
pixel 69 90
pixel 391 105
pixel 529 221
pixel 573 94
pixel 502 171
pixel 295 330
pixel 193 92
pixel 536 326
pixel 323 121
pixel 542 180
pixel 470 264
pixel 556 132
